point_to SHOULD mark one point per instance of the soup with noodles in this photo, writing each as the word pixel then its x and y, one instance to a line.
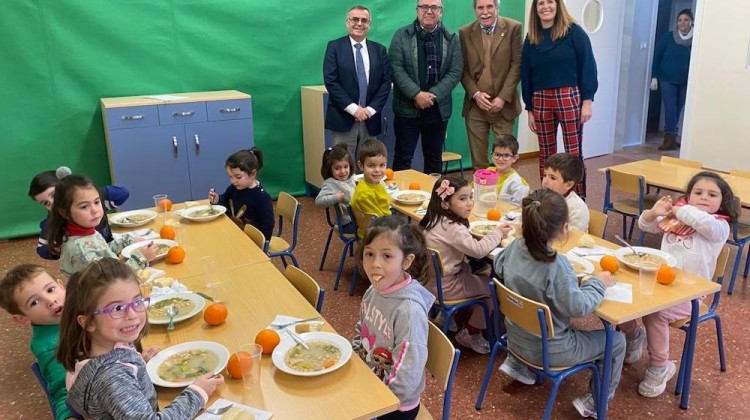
pixel 187 365
pixel 158 311
pixel 578 268
pixel 135 218
pixel 321 355
pixel 412 198
pixel 645 258
pixel 484 229
pixel 205 212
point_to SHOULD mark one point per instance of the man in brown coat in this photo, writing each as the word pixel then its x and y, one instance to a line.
pixel 492 69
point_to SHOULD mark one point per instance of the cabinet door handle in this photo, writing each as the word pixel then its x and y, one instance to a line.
pixel 132 117
pixel 174 143
pixel 197 142
pixel 183 114
pixel 228 110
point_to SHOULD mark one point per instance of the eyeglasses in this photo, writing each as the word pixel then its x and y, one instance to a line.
pixel 424 8
pixel 503 156
pixel 363 21
pixel 119 310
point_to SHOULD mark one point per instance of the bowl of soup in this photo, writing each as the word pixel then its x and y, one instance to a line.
pixel 132 218
pixel 485 227
pixel 179 365
pixel 202 213
pixel 581 266
pixel 411 197
pixel 649 255
pixel 162 247
pixel 327 352
pixel 187 304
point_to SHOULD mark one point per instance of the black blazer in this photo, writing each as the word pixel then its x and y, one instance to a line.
pixel 340 77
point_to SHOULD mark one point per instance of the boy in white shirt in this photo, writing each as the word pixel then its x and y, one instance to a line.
pixel 562 171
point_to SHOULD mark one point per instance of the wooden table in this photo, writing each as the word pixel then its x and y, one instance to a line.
pixel 615 313
pixel 676 177
pixel 258 293
pixel 220 238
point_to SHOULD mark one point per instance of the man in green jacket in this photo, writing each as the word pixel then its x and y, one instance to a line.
pixel 427 65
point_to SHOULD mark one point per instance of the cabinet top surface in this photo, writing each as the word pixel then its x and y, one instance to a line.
pixel 319 88
pixel 172 98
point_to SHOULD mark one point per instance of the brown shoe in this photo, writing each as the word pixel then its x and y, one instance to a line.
pixel 670 142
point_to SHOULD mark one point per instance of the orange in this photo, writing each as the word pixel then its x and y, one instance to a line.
pixel 236 367
pixel 216 314
pixel 388 174
pixel 165 204
pixel 666 274
pixel 176 255
pixel 268 339
pixel 415 186
pixel 167 232
pixel 493 214
pixel 609 263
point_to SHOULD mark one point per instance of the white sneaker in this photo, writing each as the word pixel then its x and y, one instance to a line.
pixel 585 405
pixel 440 318
pixel 476 342
pixel 655 381
pixel 517 371
pixel 634 347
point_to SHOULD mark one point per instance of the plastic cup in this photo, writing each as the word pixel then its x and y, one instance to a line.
pixel 249 358
pixel 691 262
pixel 311 326
pixel 647 277
pixel 158 202
pixel 219 291
pixel 210 267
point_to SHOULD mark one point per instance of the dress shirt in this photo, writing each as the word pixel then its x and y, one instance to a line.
pixel 352 107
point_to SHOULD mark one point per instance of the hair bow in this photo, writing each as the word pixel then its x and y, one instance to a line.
pixel 445 190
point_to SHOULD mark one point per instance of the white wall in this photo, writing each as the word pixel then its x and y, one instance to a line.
pixel 717 125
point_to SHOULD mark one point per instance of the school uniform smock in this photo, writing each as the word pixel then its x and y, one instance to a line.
pixel 370 198
pixel 43 344
pixel 258 206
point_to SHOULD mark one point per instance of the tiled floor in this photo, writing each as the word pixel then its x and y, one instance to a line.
pixel 714 395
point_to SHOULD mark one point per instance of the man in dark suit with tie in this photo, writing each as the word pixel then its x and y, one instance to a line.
pixel 357 75
pixel 491 48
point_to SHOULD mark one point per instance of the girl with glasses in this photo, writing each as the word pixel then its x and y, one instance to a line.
pixel 104 314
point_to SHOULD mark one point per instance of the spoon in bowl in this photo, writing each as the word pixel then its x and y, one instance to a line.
pixel 637 253
pixel 171 312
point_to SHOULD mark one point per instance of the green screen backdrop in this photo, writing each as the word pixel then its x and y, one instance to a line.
pixel 61 56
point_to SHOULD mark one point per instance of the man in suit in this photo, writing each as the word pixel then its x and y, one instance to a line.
pixel 357 75
pixel 492 48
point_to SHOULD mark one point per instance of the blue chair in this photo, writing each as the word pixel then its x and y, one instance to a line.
pixel 740 237
pixel 629 208
pixel 39 377
pixel 306 286
pixel 450 307
pixel 349 239
pixel 442 362
pixel 331 228
pixel 536 318
pixel 707 313
pixel 287 207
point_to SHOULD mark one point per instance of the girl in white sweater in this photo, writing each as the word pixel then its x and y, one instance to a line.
pixel 446 226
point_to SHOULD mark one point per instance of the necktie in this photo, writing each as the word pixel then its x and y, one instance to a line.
pixel 488 30
pixel 361 75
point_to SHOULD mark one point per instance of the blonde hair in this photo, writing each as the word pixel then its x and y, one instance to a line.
pixel 563 21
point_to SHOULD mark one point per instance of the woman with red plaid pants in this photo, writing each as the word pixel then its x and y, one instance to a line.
pixel 558 80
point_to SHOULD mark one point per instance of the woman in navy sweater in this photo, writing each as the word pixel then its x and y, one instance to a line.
pixel 670 69
pixel 558 80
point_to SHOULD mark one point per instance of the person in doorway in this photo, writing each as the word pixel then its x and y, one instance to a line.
pixel 558 80
pixel 670 71
pixel 357 75
pixel 427 66
pixel 491 46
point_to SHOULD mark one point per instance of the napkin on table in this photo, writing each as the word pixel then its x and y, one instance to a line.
pixel 145 233
pixel 620 292
pixel 221 402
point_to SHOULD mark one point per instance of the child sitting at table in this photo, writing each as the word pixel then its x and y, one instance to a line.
pixel 392 328
pixel 370 195
pixel 104 315
pixel 699 223
pixel 245 199
pixel 562 171
pixel 338 186
pixel 530 267
pixel 446 226
pixel 76 212
pixel 510 183
pixel 34 298
pixel 42 190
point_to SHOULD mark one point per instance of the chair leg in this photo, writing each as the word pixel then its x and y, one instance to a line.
pixel 740 250
pixel 551 400
pixel 294 260
pixel 747 266
pixel 353 286
pixel 624 226
pixel 720 340
pixel 681 373
pixel 325 249
pixel 632 226
pixel 341 267
pixel 461 167
pixel 487 375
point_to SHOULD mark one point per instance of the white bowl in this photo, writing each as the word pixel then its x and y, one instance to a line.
pixel 342 343
pixel 188 213
pixel 128 251
pixel 622 252
pixel 152 367
pixel 122 219
pixel 421 196
pixel 198 302
pixel 477 223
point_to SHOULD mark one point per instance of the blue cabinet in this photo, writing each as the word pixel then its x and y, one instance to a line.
pixel 175 144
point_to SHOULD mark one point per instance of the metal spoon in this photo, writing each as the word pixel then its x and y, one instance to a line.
pixel 639 254
pixel 171 312
pixel 283 326
pixel 297 339
pixel 219 410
